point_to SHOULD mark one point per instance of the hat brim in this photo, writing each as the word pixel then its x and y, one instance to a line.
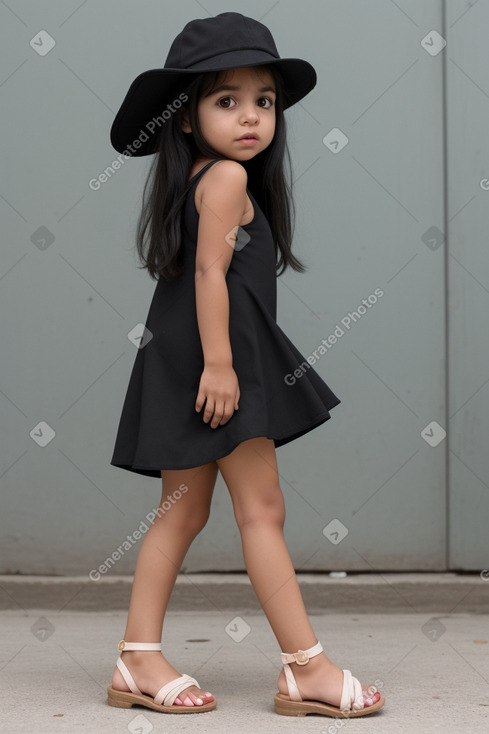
pixel 137 123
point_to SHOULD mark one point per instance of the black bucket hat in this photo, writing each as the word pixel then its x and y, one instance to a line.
pixel 225 41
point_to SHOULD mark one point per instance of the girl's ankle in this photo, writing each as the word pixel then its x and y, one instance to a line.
pixel 311 667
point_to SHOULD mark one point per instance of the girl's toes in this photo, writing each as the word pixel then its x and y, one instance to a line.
pixel 371 698
pixel 195 700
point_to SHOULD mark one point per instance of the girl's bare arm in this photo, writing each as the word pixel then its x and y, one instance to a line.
pixel 223 202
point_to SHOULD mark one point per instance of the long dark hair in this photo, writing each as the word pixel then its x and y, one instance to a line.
pixel 159 225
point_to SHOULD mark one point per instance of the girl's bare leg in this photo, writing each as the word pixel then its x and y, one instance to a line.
pixel 251 475
pixel 160 557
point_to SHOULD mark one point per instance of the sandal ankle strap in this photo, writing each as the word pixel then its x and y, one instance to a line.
pixel 123 645
pixel 301 657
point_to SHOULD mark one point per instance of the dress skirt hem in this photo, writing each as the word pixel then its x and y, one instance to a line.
pixel 281 440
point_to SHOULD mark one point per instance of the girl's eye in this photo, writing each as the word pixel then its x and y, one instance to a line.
pixel 225 99
pixel 267 99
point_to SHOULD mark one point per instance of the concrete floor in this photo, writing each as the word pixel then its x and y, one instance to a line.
pixel 428 649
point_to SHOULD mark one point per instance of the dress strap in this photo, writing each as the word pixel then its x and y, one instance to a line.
pixel 202 170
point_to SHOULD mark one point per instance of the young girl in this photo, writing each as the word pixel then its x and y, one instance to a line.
pixel 216 384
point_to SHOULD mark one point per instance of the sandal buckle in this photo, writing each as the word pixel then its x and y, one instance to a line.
pixel 301 657
pixel 121 645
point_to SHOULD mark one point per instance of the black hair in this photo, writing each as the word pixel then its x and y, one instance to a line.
pixel 159 225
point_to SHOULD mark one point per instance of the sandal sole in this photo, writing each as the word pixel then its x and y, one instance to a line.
pixel 125 700
pixel 286 707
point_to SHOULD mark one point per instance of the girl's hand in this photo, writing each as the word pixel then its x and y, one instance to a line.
pixel 219 389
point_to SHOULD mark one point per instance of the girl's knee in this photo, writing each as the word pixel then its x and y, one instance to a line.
pixel 268 508
pixel 186 498
pixel 189 522
pixel 186 517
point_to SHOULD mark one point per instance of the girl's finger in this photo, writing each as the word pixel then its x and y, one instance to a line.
pixel 218 413
pixel 199 402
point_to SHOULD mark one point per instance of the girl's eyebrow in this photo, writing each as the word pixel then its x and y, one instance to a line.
pixel 234 88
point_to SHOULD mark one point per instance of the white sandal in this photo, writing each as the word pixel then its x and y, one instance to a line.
pixel 164 699
pixel 351 704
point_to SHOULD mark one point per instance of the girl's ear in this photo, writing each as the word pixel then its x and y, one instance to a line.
pixel 185 120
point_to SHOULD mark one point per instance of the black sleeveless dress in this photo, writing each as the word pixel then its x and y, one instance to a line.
pixel 159 427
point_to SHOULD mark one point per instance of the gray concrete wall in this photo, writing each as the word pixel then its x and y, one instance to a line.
pixel 389 153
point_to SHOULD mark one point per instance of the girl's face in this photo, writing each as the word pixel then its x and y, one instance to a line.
pixel 243 104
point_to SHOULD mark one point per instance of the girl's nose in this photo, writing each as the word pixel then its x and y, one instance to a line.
pixel 249 113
